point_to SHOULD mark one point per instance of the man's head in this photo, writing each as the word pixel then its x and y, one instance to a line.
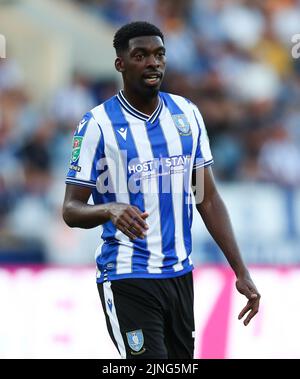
pixel 140 57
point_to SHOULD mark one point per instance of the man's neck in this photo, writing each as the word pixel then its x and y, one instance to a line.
pixel 145 105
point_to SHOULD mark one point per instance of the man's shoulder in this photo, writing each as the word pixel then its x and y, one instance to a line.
pixel 178 99
pixel 98 112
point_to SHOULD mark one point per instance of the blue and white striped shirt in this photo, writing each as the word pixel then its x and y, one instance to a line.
pixel 127 156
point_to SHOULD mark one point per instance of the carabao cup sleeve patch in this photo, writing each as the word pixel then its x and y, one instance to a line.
pixel 77 142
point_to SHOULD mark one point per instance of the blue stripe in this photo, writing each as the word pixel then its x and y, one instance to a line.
pixel 86 118
pixel 114 112
pixel 187 148
pixel 109 249
pixel 167 219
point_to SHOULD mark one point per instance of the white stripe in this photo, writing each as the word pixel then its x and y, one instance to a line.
pixel 204 141
pixel 108 294
pixel 151 199
pixel 117 172
pixel 175 148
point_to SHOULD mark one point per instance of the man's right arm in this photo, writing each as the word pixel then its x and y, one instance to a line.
pixel 78 213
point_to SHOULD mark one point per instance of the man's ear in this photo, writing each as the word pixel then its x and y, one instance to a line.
pixel 119 64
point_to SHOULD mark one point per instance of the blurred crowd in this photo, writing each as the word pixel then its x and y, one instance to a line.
pixel 231 58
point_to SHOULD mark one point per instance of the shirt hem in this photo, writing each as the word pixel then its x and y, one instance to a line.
pixel 144 275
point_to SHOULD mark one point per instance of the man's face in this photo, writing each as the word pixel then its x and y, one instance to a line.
pixel 143 64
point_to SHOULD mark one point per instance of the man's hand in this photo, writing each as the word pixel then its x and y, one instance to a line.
pixel 246 287
pixel 129 219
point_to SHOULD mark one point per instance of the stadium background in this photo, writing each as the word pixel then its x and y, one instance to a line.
pixel 233 59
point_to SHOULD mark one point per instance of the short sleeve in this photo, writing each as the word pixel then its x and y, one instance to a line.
pixel 203 155
pixel 87 149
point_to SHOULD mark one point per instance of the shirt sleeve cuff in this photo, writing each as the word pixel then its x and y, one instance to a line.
pixel 203 164
pixel 81 182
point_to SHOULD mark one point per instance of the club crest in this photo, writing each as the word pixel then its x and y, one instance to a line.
pixel 182 124
pixel 135 339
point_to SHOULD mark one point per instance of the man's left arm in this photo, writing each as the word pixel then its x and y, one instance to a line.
pixel 215 216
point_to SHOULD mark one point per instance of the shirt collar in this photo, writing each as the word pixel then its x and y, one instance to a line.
pixel 136 113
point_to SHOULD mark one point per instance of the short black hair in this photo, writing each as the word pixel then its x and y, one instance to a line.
pixel 132 30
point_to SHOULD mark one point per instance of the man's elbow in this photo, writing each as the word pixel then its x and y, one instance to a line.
pixel 209 203
pixel 67 216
